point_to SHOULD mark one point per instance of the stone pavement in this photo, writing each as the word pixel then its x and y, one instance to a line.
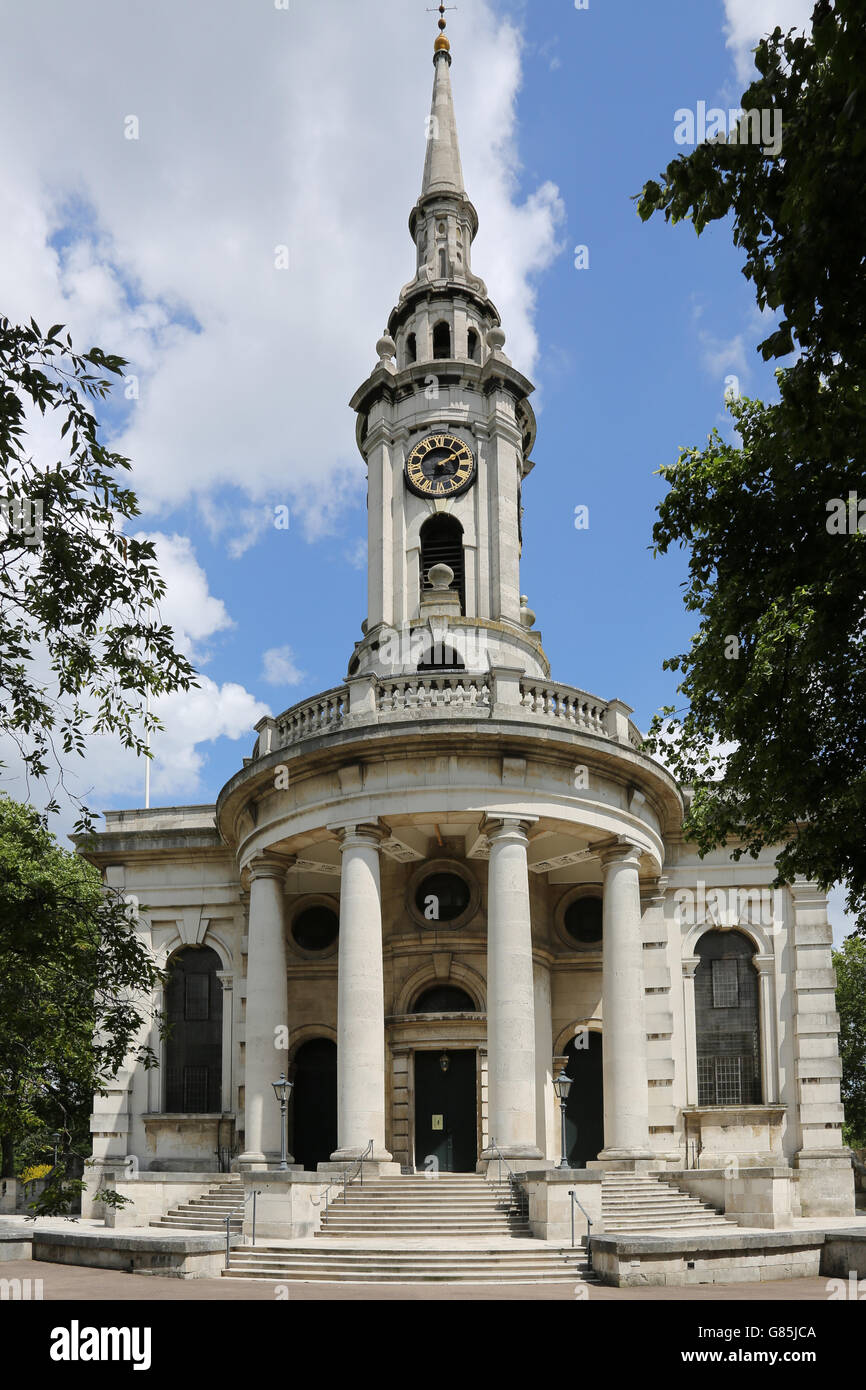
pixel 72 1282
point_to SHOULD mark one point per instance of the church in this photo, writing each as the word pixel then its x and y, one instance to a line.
pixel 435 888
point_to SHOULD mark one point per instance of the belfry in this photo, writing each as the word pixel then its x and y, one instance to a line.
pixel 447 882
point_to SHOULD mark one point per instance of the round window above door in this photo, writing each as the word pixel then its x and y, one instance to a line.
pixel 442 893
pixel 579 918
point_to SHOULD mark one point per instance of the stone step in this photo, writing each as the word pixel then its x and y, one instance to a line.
pixel 383 1265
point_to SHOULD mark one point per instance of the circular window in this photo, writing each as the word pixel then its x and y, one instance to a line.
pixel 441 893
pixel 583 921
pixel 316 928
pixel 442 897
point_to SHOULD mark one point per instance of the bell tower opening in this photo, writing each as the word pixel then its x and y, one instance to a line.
pixel 442 544
pixel 442 340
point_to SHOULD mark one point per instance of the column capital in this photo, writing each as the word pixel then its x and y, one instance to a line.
pixel 765 965
pixel 690 965
pixel 269 864
pixel 226 978
pixel 501 827
pixel 364 834
pixel 619 851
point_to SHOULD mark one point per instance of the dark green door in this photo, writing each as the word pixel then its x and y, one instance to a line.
pixel 446 1111
pixel 584 1113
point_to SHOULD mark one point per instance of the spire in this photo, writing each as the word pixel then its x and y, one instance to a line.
pixel 443 172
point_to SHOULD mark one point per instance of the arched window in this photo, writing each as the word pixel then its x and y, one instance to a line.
pixel 727 1028
pixel 442 544
pixel 193 1050
pixel 442 340
pixel 440 657
pixel 411 348
pixel 444 999
pixel 472 345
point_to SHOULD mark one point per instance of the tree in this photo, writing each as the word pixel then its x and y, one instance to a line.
pixel 73 975
pixel 81 641
pixel 773 737
pixel 850 966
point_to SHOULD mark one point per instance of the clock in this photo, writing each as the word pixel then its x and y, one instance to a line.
pixel 440 465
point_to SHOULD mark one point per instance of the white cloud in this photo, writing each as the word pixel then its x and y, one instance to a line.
pixel 258 128
pixel 188 607
pixel 747 21
pixel 278 667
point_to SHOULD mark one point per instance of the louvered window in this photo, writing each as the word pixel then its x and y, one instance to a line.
pixel 442 544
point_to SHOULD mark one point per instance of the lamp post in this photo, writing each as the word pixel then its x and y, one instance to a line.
pixel 282 1091
pixel 562 1087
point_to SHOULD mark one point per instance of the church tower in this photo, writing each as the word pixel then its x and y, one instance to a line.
pixel 446 431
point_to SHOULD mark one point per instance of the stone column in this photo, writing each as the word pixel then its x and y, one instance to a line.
pixel 690 965
pixel 226 979
pixel 547 1110
pixel 510 992
pixel 267 1008
pixel 360 997
pixel 626 1102
pixel 765 966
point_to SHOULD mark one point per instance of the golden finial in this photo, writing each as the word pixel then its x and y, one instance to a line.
pixel 442 45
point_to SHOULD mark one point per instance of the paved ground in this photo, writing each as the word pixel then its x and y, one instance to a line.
pixel 99 1285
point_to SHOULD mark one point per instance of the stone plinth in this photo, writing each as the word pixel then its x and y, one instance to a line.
pixel 550 1203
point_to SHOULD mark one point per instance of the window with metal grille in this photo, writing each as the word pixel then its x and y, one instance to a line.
pixel 442 544
pixel 196 998
pixel 193 1050
pixel 725 992
pixel 727 1030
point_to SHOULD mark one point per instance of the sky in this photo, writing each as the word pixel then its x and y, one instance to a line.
pixel 219 192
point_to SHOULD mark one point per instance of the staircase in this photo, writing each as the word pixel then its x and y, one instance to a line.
pixel 454 1228
pixel 451 1204
pixel 208 1213
pixel 640 1204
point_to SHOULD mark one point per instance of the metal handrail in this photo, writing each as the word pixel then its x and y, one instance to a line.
pixel 254 1192
pixel 575 1202
pixel 517 1192
pixel 344 1179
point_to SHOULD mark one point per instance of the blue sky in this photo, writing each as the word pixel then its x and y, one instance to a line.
pixel 261 128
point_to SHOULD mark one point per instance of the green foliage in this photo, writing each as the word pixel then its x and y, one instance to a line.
pixel 57 1197
pixel 73 977
pixel 80 636
pixel 850 966
pixel 773 739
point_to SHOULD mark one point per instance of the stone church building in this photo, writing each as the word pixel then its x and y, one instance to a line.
pixel 434 886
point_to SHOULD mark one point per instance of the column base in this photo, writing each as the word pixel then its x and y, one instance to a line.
pixel 380 1165
pixel 255 1161
pixel 623 1160
pixel 520 1158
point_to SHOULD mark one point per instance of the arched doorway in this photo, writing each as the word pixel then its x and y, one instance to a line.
pixel 314 1103
pixel 584 1112
pixel 193 1049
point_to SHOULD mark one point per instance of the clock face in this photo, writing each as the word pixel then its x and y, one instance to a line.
pixel 440 465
